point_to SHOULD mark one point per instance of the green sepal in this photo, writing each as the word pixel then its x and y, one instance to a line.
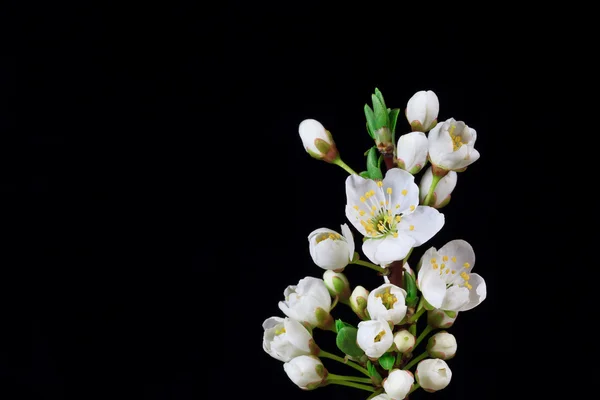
pixel 381 115
pixel 373 373
pixel 339 324
pixel 387 361
pixel 355 256
pixel 372 164
pixel 322 146
pixel 338 284
pixel 370 121
pixel 451 314
pixel 411 289
pixel 346 341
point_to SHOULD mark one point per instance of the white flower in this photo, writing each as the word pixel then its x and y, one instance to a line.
pixel 404 341
pixel 445 280
pixel 387 302
pixel 309 301
pixel 381 396
pixel 422 110
pixel 398 384
pixel 442 345
pixel 433 374
pixel 329 249
pixel 441 193
pixel 307 372
pixel 388 215
pixel 412 151
pixel 451 145
pixel 374 337
pixel 441 319
pixel 285 339
pixel 337 284
pixel 358 302
pixel 317 140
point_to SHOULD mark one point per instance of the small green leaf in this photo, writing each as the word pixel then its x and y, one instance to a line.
pixel 381 115
pixel 339 324
pixel 373 372
pixel 379 161
pixel 365 174
pixel 380 97
pixel 387 361
pixel 393 115
pixel 346 341
pixel 370 120
pixel 411 289
pixel 372 165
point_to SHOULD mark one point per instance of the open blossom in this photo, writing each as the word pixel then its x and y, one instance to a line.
pixel 309 302
pixel 308 372
pixel 442 345
pixel 374 337
pixel 445 277
pixel 387 302
pixel 284 339
pixel 442 191
pixel 329 249
pixel 411 152
pixel 422 110
pixel 433 374
pixel 387 213
pixel 398 384
pixel 452 145
pixel 317 140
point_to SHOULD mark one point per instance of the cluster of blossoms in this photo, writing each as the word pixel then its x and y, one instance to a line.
pixel 394 215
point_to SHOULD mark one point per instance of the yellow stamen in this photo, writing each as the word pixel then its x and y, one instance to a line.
pixel 380 183
pixel 465 276
pixel 453 272
pixel 395 234
pixel 412 208
pixel 454 259
pixel 362 199
pixel 435 266
pixel 389 190
pixel 404 192
pixel 379 336
pixel 468 285
pixel 280 331
pixel 411 228
pixel 466 265
pixel 361 212
pixel 433 261
pixel 442 266
pixel 398 218
pixel 445 258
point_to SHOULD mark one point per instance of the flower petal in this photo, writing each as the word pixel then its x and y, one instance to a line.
pixel 356 189
pixel 347 233
pixel 432 285
pixel 459 257
pixel 272 322
pixel 433 108
pixel 405 192
pixel 385 251
pixel 456 298
pixel 477 293
pixel 412 150
pixel 425 222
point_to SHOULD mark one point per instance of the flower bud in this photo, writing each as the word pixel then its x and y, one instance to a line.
pixel 329 249
pixel 387 302
pixel 381 396
pixel 374 337
pixel 433 374
pixel 308 372
pixel 309 302
pixel 441 319
pixel 404 341
pixel 284 339
pixel 337 284
pixel 442 345
pixel 411 152
pixel 422 110
pixel 398 384
pixel 358 302
pixel 317 140
pixel 452 145
pixel 441 193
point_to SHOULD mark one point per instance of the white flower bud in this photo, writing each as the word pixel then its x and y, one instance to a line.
pixel 358 302
pixel 452 145
pixel 404 341
pixel 308 372
pixel 398 384
pixel 422 110
pixel 374 337
pixel 441 193
pixel 329 249
pixel 381 396
pixel 317 141
pixel 441 319
pixel 387 302
pixel 433 374
pixel 337 284
pixel 411 152
pixel 285 339
pixel 442 345
pixel 309 302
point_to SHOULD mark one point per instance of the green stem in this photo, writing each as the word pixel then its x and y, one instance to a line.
pixel 407 255
pixel 416 360
pixel 351 384
pixel 427 329
pixel 342 164
pixel 415 316
pixel 414 387
pixel 357 367
pixel 375 393
pixel 434 183
pixel 367 264
pixel 349 378
pixel 413 329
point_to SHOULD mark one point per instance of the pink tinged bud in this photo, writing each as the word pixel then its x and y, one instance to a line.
pixel 442 345
pixel 422 110
pixel 317 141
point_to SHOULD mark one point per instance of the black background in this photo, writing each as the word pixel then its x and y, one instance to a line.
pixel 160 198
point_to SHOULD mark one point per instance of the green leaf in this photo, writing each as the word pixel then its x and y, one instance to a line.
pixel 381 115
pixel 393 115
pixel 411 289
pixel 339 324
pixel 387 361
pixel 346 341
pixel 365 174
pixel 379 161
pixel 372 164
pixel 380 97
pixel 373 372
pixel 370 121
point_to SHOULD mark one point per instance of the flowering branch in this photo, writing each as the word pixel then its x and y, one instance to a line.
pixel 331 356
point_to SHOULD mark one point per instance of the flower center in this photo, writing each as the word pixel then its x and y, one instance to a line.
pixel 450 273
pixel 332 236
pixel 387 298
pixel 384 220
pixel 456 139
pixel 379 336
pixel 279 331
